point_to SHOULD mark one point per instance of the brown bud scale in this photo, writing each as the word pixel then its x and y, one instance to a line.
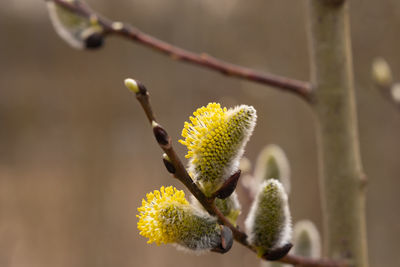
pixel 278 253
pixel 229 186
pixel 161 135
pixel 170 167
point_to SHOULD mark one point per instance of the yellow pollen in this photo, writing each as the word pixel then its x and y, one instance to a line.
pixel 157 211
pixel 213 137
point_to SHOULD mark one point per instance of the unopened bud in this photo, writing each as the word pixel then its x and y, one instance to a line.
pixel 94 40
pixel 117 26
pixel 229 207
pixel 226 240
pixel 396 92
pixel 229 186
pixel 132 85
pixel 76 29
pixel 278 253
pixel 306 240
pixel 268 223
pixel 168 164
pixel 272 163
pixel 160 134
pixel 381 72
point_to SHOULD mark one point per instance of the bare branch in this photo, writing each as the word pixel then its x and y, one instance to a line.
pixel 300 88
pixel 180 173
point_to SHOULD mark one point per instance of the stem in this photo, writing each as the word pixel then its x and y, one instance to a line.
pixel 180 173
pixel 300 88
pixel 342 181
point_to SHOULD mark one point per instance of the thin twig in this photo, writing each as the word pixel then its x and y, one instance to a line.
pixel 300 88
pixel 179 172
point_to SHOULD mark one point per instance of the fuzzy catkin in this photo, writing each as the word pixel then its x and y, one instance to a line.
pixel 215 138
pixel 268 223
pixel 167 217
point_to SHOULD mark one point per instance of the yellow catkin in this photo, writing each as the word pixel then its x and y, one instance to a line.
pixel 167 217
pixel 214 138
pixel 152 217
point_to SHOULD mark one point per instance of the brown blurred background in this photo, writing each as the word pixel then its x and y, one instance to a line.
pixel 77 154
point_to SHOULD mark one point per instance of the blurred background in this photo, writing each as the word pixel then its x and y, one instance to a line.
pixel 77 154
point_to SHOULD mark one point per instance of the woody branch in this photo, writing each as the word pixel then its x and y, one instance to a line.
pixel 299 88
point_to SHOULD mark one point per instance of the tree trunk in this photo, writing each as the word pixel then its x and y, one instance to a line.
pixel 341 177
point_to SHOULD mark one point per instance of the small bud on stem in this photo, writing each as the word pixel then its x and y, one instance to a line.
pixel 268 223
pixel 132 85
pixel 228 187
pixel 226 240
pixel 135 86
pixel 278 253
pixel 161 135
pixel 94 40
pixel 395 91
pixel 168 164
pixel 381 72
pixel 306 239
